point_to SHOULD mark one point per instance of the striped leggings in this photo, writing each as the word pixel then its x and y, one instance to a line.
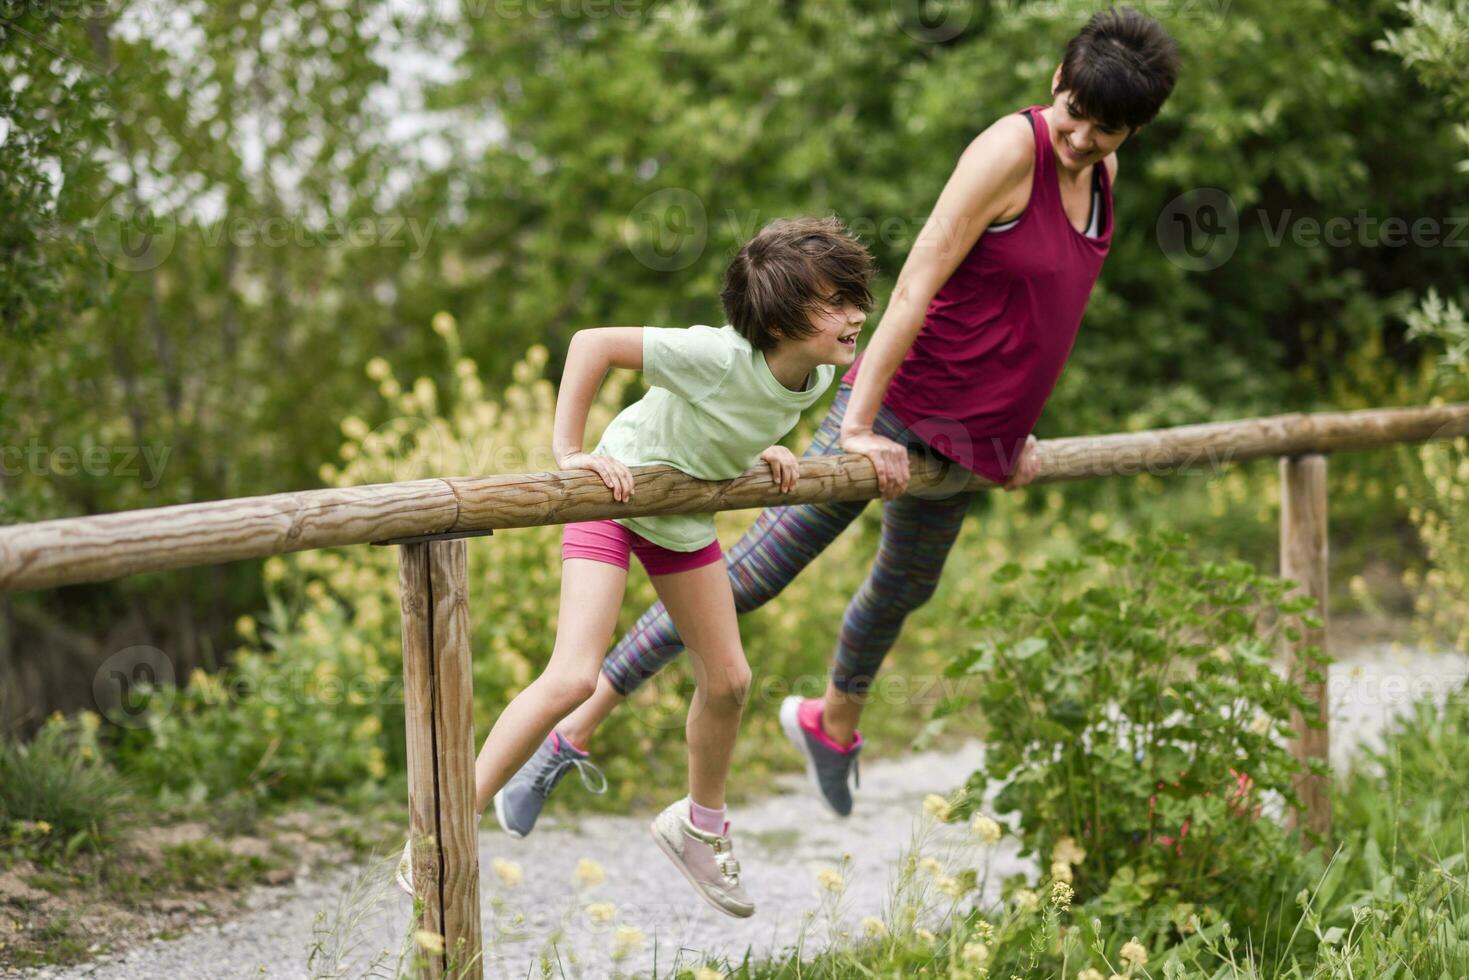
pixel 916 537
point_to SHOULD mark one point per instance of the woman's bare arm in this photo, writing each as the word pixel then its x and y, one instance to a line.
pixel 993 165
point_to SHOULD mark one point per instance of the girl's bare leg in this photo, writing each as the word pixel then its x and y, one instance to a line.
pixel 702 608
pixel 591 594
pixel 580 725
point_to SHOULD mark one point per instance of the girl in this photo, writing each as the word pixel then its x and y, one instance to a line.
pixel 796 297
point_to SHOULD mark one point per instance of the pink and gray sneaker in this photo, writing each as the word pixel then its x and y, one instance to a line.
pixel 828 763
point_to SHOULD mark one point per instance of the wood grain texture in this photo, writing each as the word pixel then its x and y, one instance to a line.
pixel 416 599
pixel 1303 558
pixel 454 734
pixel 107 546
pixel 91 549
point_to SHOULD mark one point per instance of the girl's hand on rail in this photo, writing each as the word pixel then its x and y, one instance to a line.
pixel 785 469
pixel 613 472
pixel 888 458
pixel 1025 469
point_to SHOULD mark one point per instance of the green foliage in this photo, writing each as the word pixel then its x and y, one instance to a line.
pixel 57 793
pixel 1132 706
pixel 1390 900
pixel 1435 44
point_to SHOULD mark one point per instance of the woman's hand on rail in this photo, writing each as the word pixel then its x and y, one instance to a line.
pixel 888 458
pixel 1025 468
pixel 785 469
pixel 613 472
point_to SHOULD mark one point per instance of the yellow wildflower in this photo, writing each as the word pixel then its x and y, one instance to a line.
pixel 952 887
pixel 626 941
pixel 931 865
pixel 1090 974
pixel 874 928
pixel 378 369
pixel 937 807
pixel 509 872
pixel 430 942
pixel 830 880
pixel 1066 849
pixel 926 935
pixel 987 830
pixel 1061 894
pixel 443 323
pixel 1134 954
pixel 1061 871
pixel 589 873
pixel 1026 900
pixel 708 973
pixel 601 913
pixel 975 953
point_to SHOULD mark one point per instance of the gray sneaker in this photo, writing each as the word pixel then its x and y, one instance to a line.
pixel 705 859
pixel 519 802
pixel 827 767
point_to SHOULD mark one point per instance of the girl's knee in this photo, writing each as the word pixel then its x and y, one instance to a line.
pixel 569 688
pixel 728 685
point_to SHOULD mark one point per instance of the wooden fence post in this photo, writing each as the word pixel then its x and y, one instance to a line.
pixel 1303 558
pixel 438 714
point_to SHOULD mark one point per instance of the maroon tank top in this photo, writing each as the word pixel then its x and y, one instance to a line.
pixel 997 334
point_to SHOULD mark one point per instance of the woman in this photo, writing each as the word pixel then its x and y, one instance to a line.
pixel 971 345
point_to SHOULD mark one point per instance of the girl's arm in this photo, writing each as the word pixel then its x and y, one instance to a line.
pixel 991 167
pixel 591 353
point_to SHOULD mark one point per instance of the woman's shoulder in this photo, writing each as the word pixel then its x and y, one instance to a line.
pixel 1006 145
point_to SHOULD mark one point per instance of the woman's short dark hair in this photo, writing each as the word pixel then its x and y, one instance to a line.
pixel 791 268
pixel 1120 68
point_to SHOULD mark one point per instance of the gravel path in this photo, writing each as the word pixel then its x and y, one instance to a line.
pixel 782 842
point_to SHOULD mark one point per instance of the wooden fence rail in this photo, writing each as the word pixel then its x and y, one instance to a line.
pixel 47 554
pixel 422 518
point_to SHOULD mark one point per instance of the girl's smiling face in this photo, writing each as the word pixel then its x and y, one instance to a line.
pixel 836 323
pixel 1077 140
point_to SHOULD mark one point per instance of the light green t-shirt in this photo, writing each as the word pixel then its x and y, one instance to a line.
pixel 712 408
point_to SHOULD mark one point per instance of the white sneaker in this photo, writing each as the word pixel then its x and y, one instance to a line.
pixel 705 859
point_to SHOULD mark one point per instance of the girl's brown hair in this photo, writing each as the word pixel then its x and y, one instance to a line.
pixel 791 268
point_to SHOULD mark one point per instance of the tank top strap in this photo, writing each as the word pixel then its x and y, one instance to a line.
pixel 1044 186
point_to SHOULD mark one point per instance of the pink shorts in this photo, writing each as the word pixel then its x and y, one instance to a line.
pixel 610 542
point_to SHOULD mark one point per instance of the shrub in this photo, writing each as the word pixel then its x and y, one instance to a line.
pixel 57 794
pixel 1132 706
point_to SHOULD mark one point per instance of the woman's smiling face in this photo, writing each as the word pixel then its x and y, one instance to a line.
pixel 1078 141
